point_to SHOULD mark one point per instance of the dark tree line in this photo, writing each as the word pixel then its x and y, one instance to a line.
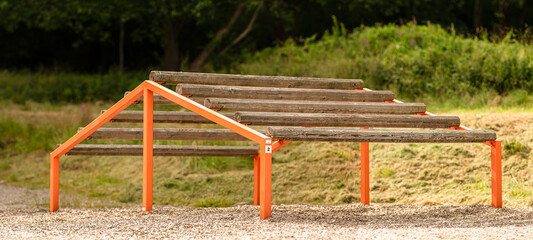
pixel 98 35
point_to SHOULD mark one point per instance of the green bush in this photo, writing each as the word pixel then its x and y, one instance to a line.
pixel 414 61
pixel 63 87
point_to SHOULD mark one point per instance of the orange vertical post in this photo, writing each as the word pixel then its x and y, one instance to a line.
pixel 496 173
pixel 257 180
pixel 365 172
pixel 265 179
pixel 148 148
pixel 54 183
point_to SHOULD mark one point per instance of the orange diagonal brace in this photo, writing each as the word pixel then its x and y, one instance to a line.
pixel 207 113
pixel 80 136
pixel 278 145
pixel 99 121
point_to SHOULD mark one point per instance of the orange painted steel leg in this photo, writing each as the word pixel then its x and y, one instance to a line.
pixel 365 173
pixel 266 179
pixel 148 148
pixel 257 179
pixel 54 183
pixel 496 173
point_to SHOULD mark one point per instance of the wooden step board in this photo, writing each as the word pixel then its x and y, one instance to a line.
pixel 168 134
pixel 274 94
pixel 173 78
pixel 345 120
pixel 165 117
pixel 158 100
pixel 166 150
pixel 379 135
pixel 255 105
pixel 204 91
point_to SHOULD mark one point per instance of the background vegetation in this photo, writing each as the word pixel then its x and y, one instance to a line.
pixel 416 62
pixel 101 35
pixel 63 61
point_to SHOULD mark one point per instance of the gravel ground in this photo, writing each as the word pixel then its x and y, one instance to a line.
pixel 21 218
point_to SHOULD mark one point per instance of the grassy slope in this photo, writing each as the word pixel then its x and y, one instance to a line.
pixel 314 173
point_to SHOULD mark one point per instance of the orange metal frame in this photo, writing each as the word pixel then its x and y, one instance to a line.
pixel 496 165
pixel 262 161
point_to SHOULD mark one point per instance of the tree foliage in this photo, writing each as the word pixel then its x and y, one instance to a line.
pixel 96 35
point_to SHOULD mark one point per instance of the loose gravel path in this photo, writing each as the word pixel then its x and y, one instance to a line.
pixel 22 218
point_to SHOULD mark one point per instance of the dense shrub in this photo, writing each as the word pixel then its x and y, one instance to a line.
pixel 413 60
pixel 58 87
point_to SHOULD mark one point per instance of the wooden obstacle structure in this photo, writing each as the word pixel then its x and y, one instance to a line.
pixel 333 110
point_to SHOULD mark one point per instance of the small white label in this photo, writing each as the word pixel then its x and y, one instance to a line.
pixel 268 149
pixel 268 141
pixel 144 209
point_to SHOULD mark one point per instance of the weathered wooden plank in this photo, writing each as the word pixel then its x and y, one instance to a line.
pixel 379 135
pixel 345 120
pixel 256 105
pixel 165 117
pixel 164 150
pixel 163 101
pixel 169 134
pixel 203 91
pixel 173 78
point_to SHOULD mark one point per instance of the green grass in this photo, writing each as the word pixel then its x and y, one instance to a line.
pixel 418 62
pixel 30 131
pixel 514 146
pixel 24 130
pixel 384 173
pixel 303 173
